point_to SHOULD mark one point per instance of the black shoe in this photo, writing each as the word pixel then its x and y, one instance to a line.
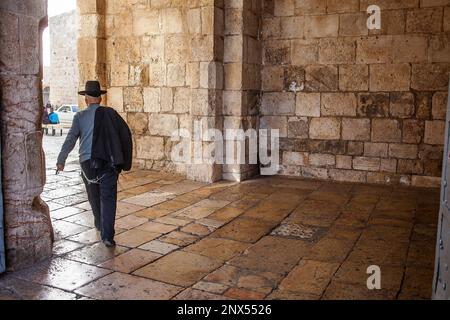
pixel 109 244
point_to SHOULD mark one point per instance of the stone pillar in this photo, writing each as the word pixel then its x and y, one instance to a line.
pixel 91 43
pixel 242 64
pixel 28 231
pixel 206 19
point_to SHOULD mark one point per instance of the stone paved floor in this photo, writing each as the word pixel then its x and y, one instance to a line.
pixel 269 238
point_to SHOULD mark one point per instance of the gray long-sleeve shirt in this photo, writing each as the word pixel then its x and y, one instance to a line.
pixel 82 128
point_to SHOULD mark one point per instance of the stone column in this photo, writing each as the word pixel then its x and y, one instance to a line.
pixel 91 43
pixel 28 231
pixel 242 64
pixel 206 19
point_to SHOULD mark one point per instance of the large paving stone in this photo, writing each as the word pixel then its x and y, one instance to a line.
pixel 135 237
pixel 330 250
pixel 356 274
pixel 150 199
pixel 85 218
pixel 253 280
pixel 309 277
pixel 222 249
pixel 179 268
pixel 95 254
pixel 65 229
pixel 119 286
pixel 130 261
pixel 273 254
pixel 245 230
pixel 63 274
pixel 129 222
pixel 24 290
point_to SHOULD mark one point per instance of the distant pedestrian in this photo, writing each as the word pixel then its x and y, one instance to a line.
pixel 53 117
pixel 45 119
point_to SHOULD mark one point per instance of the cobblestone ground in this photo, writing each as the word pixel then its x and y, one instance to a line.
pixel 269 238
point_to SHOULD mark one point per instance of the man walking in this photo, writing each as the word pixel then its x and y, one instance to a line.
pixel 105 150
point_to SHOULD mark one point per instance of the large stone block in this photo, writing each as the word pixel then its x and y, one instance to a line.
pixel 308 105
pixel 150 148
pixel 354 77
pixel 298 128
pixel 439 50
pixel 157 74
pixel 325 128
pixel 294 78
pixel 295 158
pixel 272 78
pixel 403 151
pixel 284 8
pixel 402 105
pixel 177 48
pixel 410 48
pixel 115 98
pixel 353 24
pixel 390 77
pixel 430 77
pixel 337 51
pixel 176 75
pixel 152 100
pixel 348 175
pixel 138 122
pixel 282 103
pixel 162 124
pixel 321 78
pixel 275 123
pixel 410 167
pixel 277 52
pixel 356 129
pixel 440 102
pixel 393 22
pixel 322 160
pixel 434 132
pixel 146 22
pixel 322 26
pixel 338 104
pixel 292 27
pixel 413 131
pixel 374 49
pixel 366 164
pixel 172 21
pixel 133 99
pixel 304 52
pixel 377 150
pixel 386 130
pixel 373 105
pixel 424 20
pixel 181 100
pixel 310 7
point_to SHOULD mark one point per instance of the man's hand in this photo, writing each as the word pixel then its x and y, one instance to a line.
pixel 59 168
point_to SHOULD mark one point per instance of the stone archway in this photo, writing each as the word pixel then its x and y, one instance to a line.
pixel 28 229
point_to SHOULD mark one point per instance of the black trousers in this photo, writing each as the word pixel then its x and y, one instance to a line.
pixel 102 197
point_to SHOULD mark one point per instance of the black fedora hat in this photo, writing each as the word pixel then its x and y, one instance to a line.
pixel 92 89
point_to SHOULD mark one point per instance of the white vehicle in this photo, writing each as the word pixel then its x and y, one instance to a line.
pixel 66 113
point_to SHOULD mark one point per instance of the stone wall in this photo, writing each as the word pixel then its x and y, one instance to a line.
pixel 354 104
pixel 158 61
pixel 28 231
pixel 64 67
pixel 351 104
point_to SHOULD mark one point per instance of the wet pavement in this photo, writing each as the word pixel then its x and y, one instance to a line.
pixel 268 238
